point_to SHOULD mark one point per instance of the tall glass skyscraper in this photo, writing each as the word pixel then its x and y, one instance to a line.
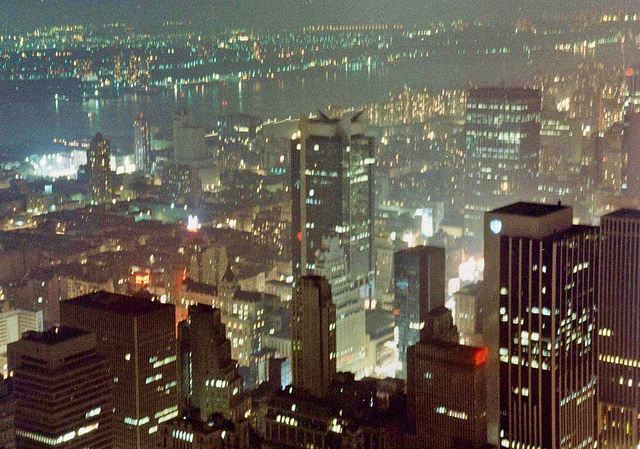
pixel 332 165
pixel 502 149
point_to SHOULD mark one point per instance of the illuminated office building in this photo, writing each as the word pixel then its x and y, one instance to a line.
pixel 313 343
pixel 137 336
pixel 142 141
pixel 63 390
pixel 351 334
pixel 619 336
pixel 502 149
pixel 419 275
pixel 209 376
pixel 332 214
pixel 99 167
pixel 542 275
pixel 332 189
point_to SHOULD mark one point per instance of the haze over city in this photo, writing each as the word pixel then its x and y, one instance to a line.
pixel 369 224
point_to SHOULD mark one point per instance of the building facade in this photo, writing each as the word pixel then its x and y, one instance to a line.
pixel 313 326
pixel 137 336
pixel 332 167
pixel 419 278
pixel 99 168
pixel 63 390
pixel 446 395
pixel 618 334
pixel 502 131
pixel 142 142
pixel 516 220
pixel 548 288
pixel 209 381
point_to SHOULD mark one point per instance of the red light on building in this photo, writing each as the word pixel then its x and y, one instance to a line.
pixel 630 71
pixel 299 236
pixel 480 357
pixel 396 312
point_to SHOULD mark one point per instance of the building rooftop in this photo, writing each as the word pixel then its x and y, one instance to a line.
pixel 530 209
pixel 472 289
pixel 631 214
pixel 242 295
pixel 454 353
pixel 54 336
pixel 119 304
pixel 508 93
pixel 200 287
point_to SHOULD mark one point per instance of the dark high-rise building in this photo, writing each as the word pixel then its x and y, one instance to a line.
pixel 63 390
pixel 419 277
pixel 137 336
pixel 99 168
pixel 619 335
pixel 446 394
pixel 209 376
pixel 542 271
pixel 502 149
pixel 142 149
pixel 332 188
pixel 332 221
pixel 313 342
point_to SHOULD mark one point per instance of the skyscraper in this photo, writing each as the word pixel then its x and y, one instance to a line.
pixel 446 393
pixel 137 336
pixel 419 278
pixel 188 139
pixel 209 376
pixel 351 338
pixel 619 336
pixel 63 390
pixel 517 219
pixel 313 343
pixel 99 167
pixel 332 188
pixel 542 271
pixel 142 150
pixel 502 149
pixel 332 193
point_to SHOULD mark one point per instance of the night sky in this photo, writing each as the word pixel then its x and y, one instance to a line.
pixel 284 13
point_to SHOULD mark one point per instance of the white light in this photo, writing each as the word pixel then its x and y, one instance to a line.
pixel 193 225
pixel 496 226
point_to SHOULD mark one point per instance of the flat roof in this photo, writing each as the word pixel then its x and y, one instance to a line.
pixel 632 214
pixel 504 93
pixel 54 335
pixel 200 287
pixel 529 209
pixel 454 353
pixel 119 304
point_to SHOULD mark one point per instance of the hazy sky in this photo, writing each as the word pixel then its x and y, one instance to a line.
pixel 284 13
